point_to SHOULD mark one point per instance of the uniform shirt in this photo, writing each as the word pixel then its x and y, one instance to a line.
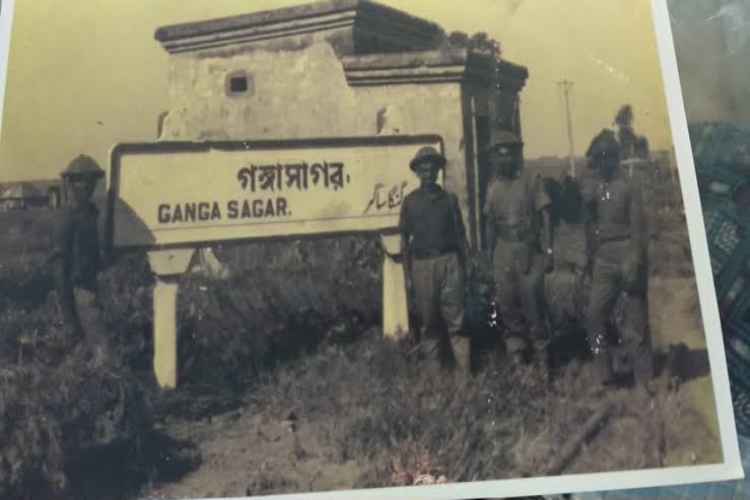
pixel 516 202
pixel 77 244
pixel 614 206
pixel 431 218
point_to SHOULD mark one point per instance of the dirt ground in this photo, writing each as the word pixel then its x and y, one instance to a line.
pixel 238 445
pixel 254 450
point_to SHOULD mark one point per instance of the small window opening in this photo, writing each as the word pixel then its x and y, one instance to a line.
pixel 238 84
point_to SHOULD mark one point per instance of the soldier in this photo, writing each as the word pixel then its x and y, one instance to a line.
pixel 77 258
pixel 615 220
pixel 434 248
pixel 519 238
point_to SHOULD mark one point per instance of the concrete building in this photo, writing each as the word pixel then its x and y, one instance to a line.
pixel 340 68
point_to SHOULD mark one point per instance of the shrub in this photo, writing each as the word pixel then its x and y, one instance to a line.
pixel 283 299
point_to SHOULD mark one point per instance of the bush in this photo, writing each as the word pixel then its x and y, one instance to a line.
pixel 56 409
pixel 283 299
pixel 47 426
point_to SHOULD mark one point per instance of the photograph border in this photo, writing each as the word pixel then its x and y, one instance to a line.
pixel 731 467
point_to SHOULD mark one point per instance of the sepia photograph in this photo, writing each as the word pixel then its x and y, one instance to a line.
pixel 354 249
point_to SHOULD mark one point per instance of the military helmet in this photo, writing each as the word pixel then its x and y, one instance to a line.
pixel 428 153
pixel 83 167
pixel 505 140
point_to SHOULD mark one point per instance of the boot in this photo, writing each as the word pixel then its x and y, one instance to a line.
pixel 516 347
pixel 603 369
pixel 643 370
pixel 462 353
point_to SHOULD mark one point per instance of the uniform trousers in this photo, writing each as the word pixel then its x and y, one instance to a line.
pixel 519 288
pixel 438 284
pixel 614 275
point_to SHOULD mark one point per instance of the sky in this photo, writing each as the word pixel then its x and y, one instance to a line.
pixel 87 76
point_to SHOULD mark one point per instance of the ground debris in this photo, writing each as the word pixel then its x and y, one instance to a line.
pixel 570 447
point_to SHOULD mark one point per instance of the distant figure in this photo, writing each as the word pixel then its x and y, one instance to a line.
pixel 53 197
pixel 434 248
pixel 76 256
pixel 616 224
pixel 520 245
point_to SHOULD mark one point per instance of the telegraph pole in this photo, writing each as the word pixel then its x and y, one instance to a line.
pixel 566 87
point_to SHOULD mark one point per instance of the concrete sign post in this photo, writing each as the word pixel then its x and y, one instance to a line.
pixel 168 266
pixel 173 197
pixel 395 306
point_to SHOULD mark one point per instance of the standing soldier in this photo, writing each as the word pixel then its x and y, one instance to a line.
pixel 434 247
pixel 77 258
pixel 519 237
pixel 615 225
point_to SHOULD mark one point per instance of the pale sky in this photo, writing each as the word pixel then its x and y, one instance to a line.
pixel 87 75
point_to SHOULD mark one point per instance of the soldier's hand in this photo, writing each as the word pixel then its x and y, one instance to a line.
pixel 525 262
pixel 549 263
pixel 631 271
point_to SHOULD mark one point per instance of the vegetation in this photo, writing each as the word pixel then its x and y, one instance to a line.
pixel 479 43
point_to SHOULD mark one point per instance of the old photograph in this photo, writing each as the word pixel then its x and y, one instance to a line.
pixel 367 248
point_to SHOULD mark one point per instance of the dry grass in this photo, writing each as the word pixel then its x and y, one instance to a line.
pixel 402 423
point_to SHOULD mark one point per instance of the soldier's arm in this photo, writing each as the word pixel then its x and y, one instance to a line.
pixel 61 260
pixel 403 228
pixel 547 236
pixel 489 222
pixel 637 214
pixel 589 221
pixel 463 243
pixel 62 246
pixel 543 204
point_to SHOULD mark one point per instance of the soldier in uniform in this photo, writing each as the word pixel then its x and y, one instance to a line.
pixel 616 227
pixel 434 249
pixel 76 256
pixel 518 232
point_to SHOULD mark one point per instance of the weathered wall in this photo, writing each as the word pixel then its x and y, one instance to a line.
pixel 304 94
pixel 296 94
pixel 420 109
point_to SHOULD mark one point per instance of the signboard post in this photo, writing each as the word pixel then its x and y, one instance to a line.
pixel 173 197
pixel 168 266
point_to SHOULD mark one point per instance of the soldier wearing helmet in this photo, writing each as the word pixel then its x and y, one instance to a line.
pixel 434 248
pixel 616 228
pixel 519 239
pixel 76 256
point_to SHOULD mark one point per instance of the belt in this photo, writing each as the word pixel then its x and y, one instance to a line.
pixel 513 233
pixel 431 253
pixel 618 239
pixel 612 238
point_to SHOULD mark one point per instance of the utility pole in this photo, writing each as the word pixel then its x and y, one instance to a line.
pixel 566 87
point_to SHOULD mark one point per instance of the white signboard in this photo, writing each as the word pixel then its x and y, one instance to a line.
pixel 179 194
